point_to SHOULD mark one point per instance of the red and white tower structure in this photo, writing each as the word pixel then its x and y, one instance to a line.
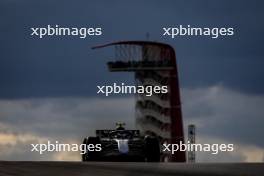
pixel 160 114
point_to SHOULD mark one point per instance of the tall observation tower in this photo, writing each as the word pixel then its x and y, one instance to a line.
pixel 154 64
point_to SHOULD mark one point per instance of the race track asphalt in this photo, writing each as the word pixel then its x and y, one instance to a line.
pixel 22 168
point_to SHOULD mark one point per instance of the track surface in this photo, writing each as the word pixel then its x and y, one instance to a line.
pixel 126 169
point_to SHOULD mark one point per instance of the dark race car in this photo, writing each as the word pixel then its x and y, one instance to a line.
pixel 122 145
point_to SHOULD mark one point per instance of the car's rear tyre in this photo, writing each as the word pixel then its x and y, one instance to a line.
pixel 84 155
pixel 152 149
pixel 93 155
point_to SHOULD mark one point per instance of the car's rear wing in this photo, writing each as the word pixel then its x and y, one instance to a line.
pixel 105 133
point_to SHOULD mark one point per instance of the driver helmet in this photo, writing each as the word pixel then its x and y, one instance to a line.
pixel 120 126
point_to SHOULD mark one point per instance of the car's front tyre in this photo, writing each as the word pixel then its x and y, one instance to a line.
pixel 152 149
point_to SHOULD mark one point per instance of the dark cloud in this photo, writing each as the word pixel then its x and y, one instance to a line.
pixel 63 118
pixel 225 114
pixel 64 66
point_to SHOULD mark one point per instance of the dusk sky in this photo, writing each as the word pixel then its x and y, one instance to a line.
pixel 48 86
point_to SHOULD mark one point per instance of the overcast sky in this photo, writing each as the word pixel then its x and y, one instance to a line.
pixel 48 86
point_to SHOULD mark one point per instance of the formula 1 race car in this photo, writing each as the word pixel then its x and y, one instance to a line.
pixel 122 145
